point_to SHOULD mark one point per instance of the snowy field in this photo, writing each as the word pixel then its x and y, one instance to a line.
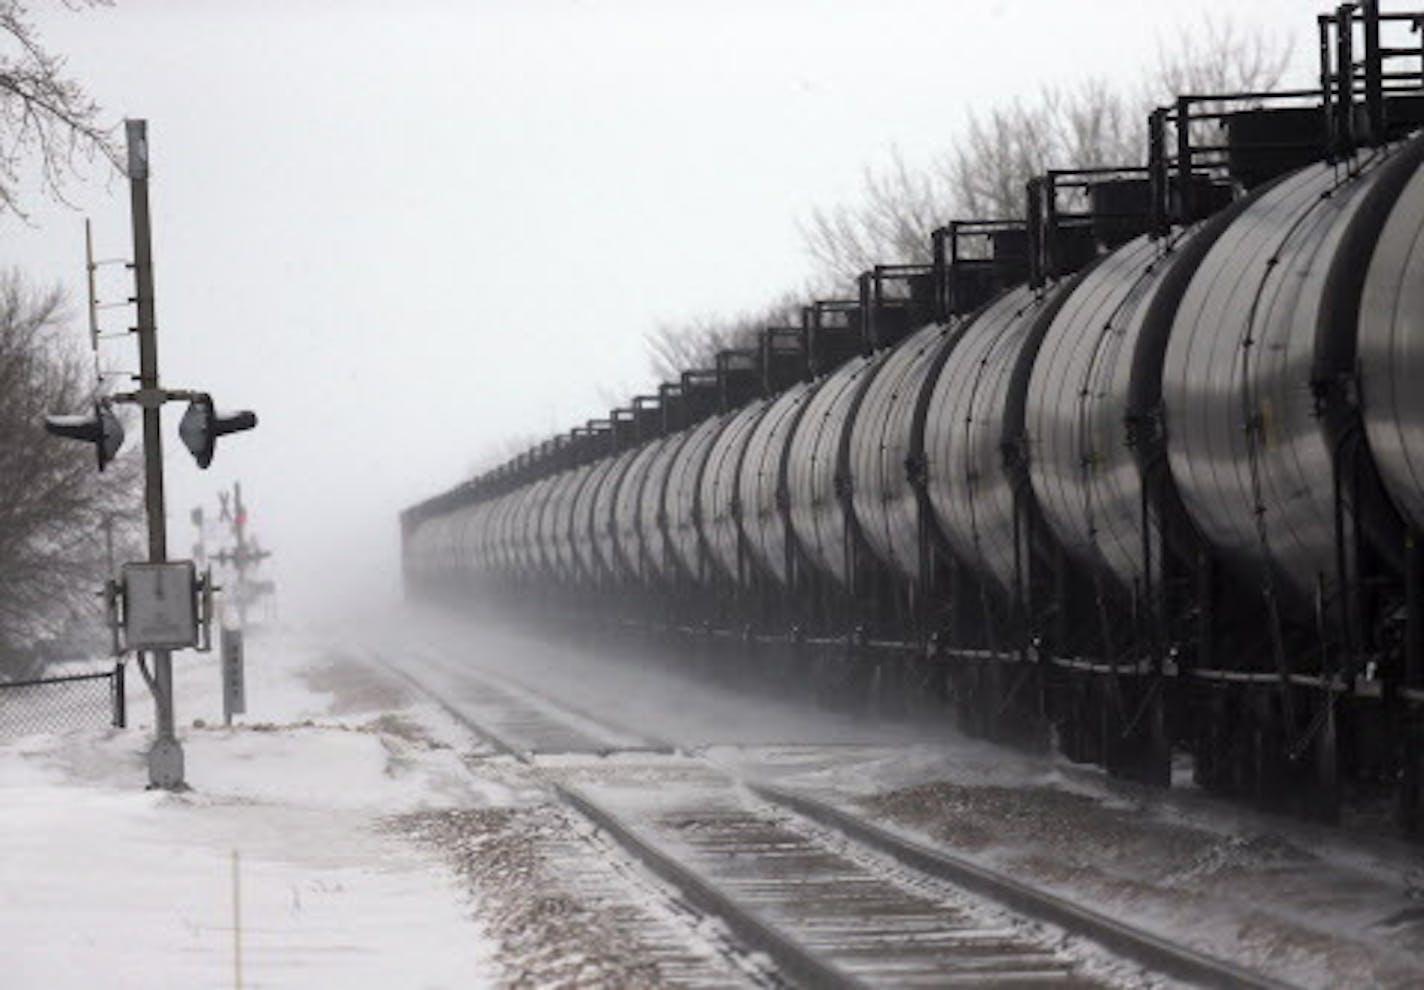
pixel 105 884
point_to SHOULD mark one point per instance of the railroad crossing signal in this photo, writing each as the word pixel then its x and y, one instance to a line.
pixel 101 428
pixel 242 555
pixel 199 430
pixel 202 424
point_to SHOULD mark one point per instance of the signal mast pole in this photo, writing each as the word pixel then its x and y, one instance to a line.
pixel 162 607
pixel 165 757
pixel 239 528
pixel 243 555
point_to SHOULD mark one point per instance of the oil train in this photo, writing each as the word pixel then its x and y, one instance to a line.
pixel 1142 473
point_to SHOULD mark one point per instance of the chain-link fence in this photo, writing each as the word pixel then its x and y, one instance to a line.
pixel 58 704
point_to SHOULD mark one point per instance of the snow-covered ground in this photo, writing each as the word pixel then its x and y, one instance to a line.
pixel 105 884
pixel 378 844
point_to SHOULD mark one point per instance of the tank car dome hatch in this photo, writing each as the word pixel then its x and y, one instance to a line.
pixel 719 507
pixel 974 429
pixel 680 498
pixel 762 483
pixel 1391 352
pixel 885 455
pixel 1264 143
pixel 1254 384
pixel 816 479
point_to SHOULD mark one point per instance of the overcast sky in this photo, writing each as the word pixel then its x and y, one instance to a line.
pixel 406 233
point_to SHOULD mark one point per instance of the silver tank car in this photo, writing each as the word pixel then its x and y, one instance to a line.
pixel 561 511
pixel 680 498
pixel 627 511
pixel 516 555
pixel 653 509
pixel 661 561
pixel 481 543
pixel 762 483
pixel 601 520
pixel 466 532
pixel 1391 352
pixel 974 430
pixel 513 531
pixel 495 545
pixel 815 474
pixel 543 526
pixel 529 528
pixel 886 447
pixel 428 546
pixel 470 550
pixel 590 563
pixel 719 509
pixel 545 530
pixel 1093 397
pixel 1252 384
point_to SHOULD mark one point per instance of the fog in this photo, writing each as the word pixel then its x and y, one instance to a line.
pixel 756 718
pixel 408 235
pixel 667 692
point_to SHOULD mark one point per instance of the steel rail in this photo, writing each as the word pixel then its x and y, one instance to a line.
pixel 756 934
pixel 1133 943
pixel 797 962
pixel 1127 941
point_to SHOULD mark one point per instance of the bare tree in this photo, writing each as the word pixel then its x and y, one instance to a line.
pixel 1085 126
pixel 678 346
pixel 1088 124
pixel 47 119
pixel 506 449
pixel 53 501
pixel 1223 58
pixel 899 209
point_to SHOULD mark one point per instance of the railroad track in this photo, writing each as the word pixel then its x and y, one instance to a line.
pixel 830 899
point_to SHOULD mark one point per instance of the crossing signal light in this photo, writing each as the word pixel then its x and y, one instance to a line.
pixel 202 424
pixel 101 428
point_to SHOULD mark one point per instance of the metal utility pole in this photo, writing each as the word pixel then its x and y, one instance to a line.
pixel 165 757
